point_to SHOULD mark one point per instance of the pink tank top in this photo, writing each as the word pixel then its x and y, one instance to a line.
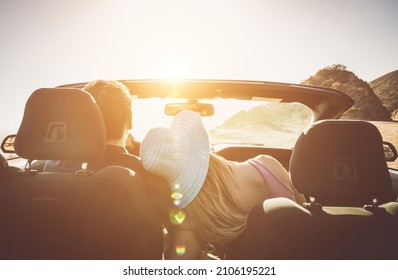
pixel 276 188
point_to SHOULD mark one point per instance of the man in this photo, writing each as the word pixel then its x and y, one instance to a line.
pixel 114 101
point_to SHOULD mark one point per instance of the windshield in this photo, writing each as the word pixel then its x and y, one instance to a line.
pixel 239 122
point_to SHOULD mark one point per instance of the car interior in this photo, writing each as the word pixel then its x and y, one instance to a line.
pixel 351 210
pixel 79 215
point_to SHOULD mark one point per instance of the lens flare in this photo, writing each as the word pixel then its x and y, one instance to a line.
pixel 177 216
pixel 180 249
pixel 176 195
pixel 176 186
pixel 176 202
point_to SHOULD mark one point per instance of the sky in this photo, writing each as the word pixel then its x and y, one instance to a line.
pixel 45 43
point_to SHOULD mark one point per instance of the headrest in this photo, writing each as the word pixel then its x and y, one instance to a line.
pixel 63 124
pixel 340 162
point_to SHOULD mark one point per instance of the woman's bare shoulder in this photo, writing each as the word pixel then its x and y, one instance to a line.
pixel 267 160
pixel 275 167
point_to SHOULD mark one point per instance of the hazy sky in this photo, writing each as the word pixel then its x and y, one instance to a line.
pixel 45 43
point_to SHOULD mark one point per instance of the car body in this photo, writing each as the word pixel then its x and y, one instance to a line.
pixel 244 119
pixel 230 98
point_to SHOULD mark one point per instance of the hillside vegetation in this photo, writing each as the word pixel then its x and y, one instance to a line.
pixel 386 88
pixel 367 105
pixel 275 116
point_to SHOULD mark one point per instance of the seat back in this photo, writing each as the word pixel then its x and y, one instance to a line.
pixel 64 216
pixel 82 215
pixel 7 173
pixel 341 162
pixel 3 163
pixel 341 166
pixel 280 229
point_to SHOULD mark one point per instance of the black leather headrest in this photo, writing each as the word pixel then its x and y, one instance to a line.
pixel 341 163
pixel 63 124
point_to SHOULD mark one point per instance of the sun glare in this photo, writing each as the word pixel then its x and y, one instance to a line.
pixel 171 67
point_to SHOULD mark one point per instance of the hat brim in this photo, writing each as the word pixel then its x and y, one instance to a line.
pixel 180 154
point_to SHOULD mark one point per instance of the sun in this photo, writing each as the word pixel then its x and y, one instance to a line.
pixel 171 67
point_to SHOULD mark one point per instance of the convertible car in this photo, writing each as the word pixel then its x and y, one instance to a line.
pixel 339 165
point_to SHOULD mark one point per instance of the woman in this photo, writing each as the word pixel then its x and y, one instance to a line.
pixel 213 196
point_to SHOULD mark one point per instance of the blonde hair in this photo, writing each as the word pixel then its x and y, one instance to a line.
pixel 215 216
pixel 114 100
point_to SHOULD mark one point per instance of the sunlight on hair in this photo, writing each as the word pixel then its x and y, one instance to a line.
pixel 180 249
pixel 177 216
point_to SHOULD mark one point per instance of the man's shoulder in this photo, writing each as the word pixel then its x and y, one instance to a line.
pixel 131 161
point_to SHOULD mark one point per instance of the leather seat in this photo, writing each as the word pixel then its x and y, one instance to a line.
pixel 341 166
pixel 7 173
pixel 341 162
pixel 83 215
pixel 3 163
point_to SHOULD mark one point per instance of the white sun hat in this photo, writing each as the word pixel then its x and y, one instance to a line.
pixel 180 154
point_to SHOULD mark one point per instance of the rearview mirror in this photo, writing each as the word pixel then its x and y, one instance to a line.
pixel 204 109
pixel 7 146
